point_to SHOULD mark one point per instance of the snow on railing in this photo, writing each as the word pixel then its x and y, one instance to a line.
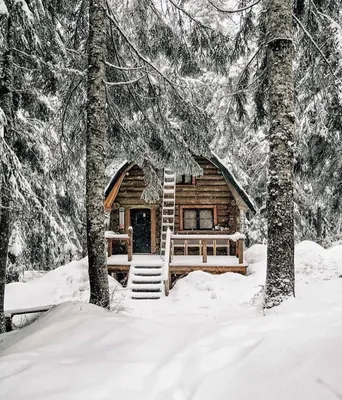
pixel 203 243
pixel 113 235
pixel 234 237
pixel 167 261
pixel 128 237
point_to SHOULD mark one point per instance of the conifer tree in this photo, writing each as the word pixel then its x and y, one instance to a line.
pixel 6 134
pixel 35 230
pixel 95 157
pixel 280 212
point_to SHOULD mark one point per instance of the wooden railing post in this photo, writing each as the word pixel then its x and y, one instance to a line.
pixel 110 247
pixel 205 250
pixel 240 246
pixel 130 243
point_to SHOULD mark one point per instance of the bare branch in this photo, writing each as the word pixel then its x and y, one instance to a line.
pixel 312 40
pixel 234 11
pixel 124 82
pixel 123 68
pixel 142 58
pixel 189 15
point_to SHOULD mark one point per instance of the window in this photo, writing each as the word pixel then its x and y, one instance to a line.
pixel 184 179
pixel 198 219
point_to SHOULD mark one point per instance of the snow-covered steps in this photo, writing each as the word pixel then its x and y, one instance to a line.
pixel 145 282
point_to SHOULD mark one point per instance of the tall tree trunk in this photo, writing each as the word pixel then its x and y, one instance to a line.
pixel 280 280
pixel 95 162
pixel 6 104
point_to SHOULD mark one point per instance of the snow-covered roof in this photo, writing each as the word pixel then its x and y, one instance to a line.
pixel 230 178
pixel 245 202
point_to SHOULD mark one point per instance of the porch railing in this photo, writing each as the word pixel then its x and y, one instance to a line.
pixel 126 237
pixel 203 241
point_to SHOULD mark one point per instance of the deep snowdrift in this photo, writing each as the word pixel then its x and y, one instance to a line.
pixel 208 340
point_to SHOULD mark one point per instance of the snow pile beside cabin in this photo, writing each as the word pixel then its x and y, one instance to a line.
pixel 66 283
pixel 208 339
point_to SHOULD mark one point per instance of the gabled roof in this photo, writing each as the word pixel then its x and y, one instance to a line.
pixel 230 178
pixel 244 202
pixel 117 173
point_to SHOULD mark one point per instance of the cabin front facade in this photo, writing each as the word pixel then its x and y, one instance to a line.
pixel 194 226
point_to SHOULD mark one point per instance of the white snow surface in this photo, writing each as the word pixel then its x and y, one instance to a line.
pixel 208 340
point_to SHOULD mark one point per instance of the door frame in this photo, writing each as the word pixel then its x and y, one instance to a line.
pixel 153 223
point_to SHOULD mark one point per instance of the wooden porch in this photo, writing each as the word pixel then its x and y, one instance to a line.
pixel 179 258
pixel 179 265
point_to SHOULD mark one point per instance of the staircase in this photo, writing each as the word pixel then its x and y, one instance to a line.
pixel 168 207
pixel 145 282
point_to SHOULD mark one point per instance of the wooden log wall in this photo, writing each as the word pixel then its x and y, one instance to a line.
pixel 129 197
pixel 209 189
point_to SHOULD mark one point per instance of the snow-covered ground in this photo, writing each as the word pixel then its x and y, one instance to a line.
pixel 208 340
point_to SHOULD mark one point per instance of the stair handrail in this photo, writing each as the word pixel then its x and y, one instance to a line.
pixel 166 264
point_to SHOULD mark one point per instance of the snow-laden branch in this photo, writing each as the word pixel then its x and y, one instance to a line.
pixel 238 10
pixel 125 82
pixel 312 40
pixel 123 68
pixel 181 9
pixel 20 183
pixel 142 58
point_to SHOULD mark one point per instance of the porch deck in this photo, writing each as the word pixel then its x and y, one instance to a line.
pixel 179 264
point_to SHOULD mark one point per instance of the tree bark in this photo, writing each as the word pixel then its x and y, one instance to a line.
pixel 95 154
pixel 6 103
pixel 280 279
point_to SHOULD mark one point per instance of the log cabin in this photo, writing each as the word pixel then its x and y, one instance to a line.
pixel 196 225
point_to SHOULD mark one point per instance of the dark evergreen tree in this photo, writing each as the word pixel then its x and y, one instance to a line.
pixel 95 157
pixel 35 229
pixel 280 279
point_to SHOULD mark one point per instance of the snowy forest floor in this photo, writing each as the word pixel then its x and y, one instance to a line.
pixel 208 340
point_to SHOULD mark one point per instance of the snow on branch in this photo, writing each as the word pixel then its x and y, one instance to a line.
pixel 125 82
pixel 237 10
pixel 3 8
pixel 19 183
pixel 312 40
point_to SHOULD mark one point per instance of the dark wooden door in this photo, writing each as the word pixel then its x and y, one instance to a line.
pixel 141 223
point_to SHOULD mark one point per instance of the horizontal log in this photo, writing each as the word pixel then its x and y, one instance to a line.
pixel 129 178
pixel 130 202
pixel 132 188
pixel 208 177
pixel 199 194
pixel 128 194
pixel 209 188
pixel 202 201
pixel 205 182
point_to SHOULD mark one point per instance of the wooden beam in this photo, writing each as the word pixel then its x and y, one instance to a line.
pixel 110 247
pixel 205 251
pixel 130 244
pixel 127 219
pixel 240 245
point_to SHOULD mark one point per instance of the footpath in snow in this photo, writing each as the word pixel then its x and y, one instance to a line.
pixel 208 340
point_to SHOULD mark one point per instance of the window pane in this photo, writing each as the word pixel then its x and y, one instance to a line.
pixel 179 178
pixel 189 219
pixel 206 219
pixel 187 179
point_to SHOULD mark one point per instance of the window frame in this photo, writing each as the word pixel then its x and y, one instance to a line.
pixel 197 208
pixel 192 180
